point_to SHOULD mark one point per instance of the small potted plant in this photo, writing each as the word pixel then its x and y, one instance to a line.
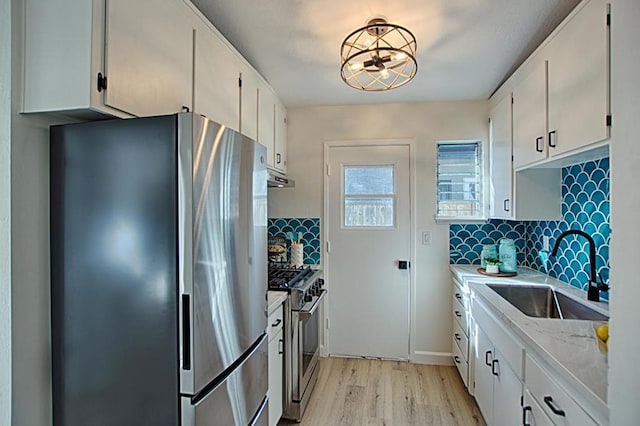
pixel 492 265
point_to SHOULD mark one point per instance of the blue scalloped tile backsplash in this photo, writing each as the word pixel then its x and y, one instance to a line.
pixel 310 228
pixel 585 206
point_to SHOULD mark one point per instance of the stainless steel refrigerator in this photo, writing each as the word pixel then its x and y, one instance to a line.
pixel 158 273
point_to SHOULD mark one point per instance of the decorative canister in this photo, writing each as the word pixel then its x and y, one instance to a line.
pixel 488 251
pixel 508 257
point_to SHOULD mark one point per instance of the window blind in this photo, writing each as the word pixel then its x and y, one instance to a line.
pixel 459 180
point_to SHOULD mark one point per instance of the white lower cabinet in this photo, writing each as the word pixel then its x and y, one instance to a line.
pixel 555 401
pixel 497 388
pixel 460 346
pixel 532 412
pixel 276 363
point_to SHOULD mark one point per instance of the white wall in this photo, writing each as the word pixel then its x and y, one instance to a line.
pixel 5 212
pixel 31 348
pixel 624 372
pixel 309 128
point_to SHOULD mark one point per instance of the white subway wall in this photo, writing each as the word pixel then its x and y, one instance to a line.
pixel 624 372
pixel 426 123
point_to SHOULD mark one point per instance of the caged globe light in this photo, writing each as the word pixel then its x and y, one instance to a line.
pixel 379 56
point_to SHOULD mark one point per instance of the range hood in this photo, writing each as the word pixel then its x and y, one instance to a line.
pixel 278 180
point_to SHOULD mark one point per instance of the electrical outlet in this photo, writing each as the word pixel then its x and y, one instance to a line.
pixel 545 243
pixel 426 238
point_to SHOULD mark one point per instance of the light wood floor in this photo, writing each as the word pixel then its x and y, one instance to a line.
pixel 353 391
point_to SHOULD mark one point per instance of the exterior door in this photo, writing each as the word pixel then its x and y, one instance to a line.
pixel 369 235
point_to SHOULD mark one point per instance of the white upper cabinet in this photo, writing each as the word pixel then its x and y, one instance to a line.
pixel 501 168
pixel 148 51
pixel 579 81
pixel 216 89
pixel 530 116
pixel 249 102
pixel 280 160
pixel 266 120
pixel 142 48
pixel 561 94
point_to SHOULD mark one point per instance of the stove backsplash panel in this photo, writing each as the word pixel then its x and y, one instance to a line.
pixel 310 229
pixel 585 206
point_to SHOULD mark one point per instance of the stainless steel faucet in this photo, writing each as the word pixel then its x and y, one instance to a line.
pixel 595 286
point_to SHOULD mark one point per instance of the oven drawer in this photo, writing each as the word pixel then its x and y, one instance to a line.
pixel 274 323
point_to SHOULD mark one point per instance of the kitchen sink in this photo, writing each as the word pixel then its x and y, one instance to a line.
pixel 545 302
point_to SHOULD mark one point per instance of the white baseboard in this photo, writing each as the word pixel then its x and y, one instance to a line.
pixel 432 358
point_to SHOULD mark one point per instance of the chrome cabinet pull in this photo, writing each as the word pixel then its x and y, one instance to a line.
pixel 486 358
pixel 538 147
pixel 493 367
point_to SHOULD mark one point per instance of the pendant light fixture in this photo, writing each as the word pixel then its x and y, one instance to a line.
pixel 379 56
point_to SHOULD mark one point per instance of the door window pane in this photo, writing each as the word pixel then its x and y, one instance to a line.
pixel 368 180
pixel 369 196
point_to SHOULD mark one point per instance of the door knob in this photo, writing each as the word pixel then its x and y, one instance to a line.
pixel 403 264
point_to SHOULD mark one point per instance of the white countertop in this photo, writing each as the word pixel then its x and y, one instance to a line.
pixel 274 300
pixel 568 346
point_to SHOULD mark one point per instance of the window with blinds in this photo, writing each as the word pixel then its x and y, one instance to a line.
pixel 459 180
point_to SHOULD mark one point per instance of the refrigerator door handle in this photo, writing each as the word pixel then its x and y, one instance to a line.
pixel 186 332
pixel 258 419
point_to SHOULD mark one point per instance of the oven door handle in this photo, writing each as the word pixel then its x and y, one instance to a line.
pixel 310 312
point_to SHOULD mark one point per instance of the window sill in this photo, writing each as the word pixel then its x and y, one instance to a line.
pixel 460 220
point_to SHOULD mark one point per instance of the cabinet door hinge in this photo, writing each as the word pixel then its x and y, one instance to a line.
pixel 101 82
pixel 239 81
pixel 328 170
pixel 609 119
pixel 327 323
pixel 328 247
pixel 608 19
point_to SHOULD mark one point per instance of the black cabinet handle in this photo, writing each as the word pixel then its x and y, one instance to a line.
pixel 456 359
pixel 185 108
pixel 493 367
pixel 486 358
pixel 277 323
pixel 505 205
pixel 549 401
pixel 457 335
pixel 458 296
pixel 186 332
pixel 278 158
pixel 552 137
pixel 538 147
pixel 458 314
pixel 524 415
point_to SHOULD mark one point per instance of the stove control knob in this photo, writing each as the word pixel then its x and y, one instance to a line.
pixel 308 297
pixel 320 282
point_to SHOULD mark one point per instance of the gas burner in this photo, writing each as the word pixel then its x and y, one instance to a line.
pixel 282 277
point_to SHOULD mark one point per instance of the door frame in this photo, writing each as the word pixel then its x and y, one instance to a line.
pixel 362 143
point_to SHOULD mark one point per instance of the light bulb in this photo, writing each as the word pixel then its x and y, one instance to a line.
pixel 384 73
pixel 399 56
pixel 355 66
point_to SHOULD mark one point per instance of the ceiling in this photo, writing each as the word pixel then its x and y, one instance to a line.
pixel 466 48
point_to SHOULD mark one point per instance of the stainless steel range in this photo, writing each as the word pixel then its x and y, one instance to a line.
pixel 302 333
